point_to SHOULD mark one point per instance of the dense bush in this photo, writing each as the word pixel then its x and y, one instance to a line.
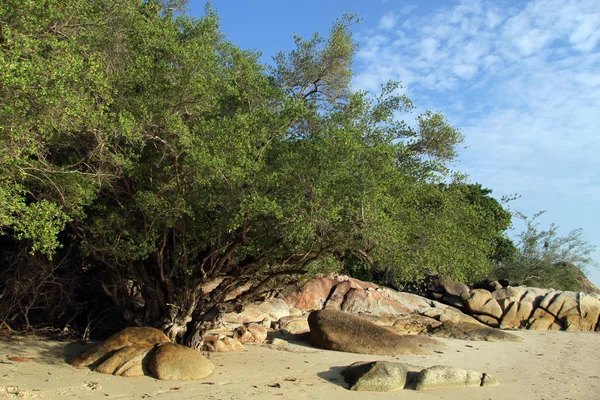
pixel 160 158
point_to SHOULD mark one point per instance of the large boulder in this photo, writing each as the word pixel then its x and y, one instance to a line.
pixel 481 301
pixel 138 351
pixel 173 361
pixel 443 377
pixel 376 376
pixel 133 336
pixel 340 331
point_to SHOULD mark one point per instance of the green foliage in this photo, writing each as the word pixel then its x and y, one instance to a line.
pixel 545 259
pixel 172 158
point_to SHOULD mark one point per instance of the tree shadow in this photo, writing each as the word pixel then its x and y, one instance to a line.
pixel 40 349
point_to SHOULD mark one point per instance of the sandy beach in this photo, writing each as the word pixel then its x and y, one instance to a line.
pixel 545 366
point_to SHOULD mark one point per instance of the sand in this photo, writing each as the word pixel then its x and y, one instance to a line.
pixel 546 365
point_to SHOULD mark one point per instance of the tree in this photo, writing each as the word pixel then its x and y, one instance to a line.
pixel 192 180
pixel 545 259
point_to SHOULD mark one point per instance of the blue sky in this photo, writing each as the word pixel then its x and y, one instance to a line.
pixel 520 78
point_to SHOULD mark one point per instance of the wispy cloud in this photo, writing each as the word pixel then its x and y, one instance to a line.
pixel 522 81
pixel 388 21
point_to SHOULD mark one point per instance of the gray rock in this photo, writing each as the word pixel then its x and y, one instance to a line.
pixel 443 377
pixel 375 376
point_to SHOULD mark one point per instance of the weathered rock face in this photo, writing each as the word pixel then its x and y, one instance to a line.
pixel 526 308
pixel 346 294
pixel 376 376
pixel 340 331
pixel 406 313
pixel 442 377
pixel 139 351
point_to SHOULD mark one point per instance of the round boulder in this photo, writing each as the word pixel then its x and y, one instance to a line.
pixel 175 362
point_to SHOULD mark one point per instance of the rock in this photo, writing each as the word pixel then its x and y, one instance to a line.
pixel 340 331
pixel 295 312
pixel 253 313
pixel 517 314
pixel 376 376
pixel 481 301
pixel 449 314
pixel 380 320
pixel 509 295
pixel 455 289
pixel 221 344
pixel 541 320
pixel 454 301
pixel 133 336
pixel 372 302
pixel 443 377
pixel 557 303
pixel 466 331
pixel 127 361
pixel 589 305
pixel 259 333
pixel 172 361
pixel 414 324
pixel 489 321
pixel 274 308
pixel 294 325
pixel 252 333
pixel 313 295
pixel 409 300
pixel 338 294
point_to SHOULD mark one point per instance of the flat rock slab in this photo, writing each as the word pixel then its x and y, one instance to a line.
pixel 375 376
pixel 444 377
pixel 340 331
pixel 466 331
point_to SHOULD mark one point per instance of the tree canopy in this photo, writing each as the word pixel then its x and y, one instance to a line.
pixel 546 259
pixel 144 146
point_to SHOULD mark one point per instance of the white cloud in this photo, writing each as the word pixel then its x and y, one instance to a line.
pixel 388 21
pixel 523 84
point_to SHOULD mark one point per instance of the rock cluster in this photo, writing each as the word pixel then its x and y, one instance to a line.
pixel 384 376
pixel 138 351
pixel 523 307
pixel 401 313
